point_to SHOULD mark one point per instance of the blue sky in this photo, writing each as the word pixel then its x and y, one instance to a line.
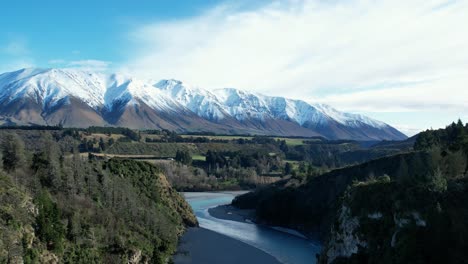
pixel 58 30
pixel 402 62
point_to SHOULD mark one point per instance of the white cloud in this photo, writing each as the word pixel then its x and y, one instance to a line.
pixel 389 55
pixel 57 62
pixel 92 65
pixel 15 55
pixel 16 64
pixel 408 130
pixel 15 47
pixel 444 94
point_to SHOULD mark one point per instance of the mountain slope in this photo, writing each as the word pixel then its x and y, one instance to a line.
pixel 80 98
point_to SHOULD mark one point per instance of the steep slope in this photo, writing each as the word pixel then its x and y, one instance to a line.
pixel 72 112
pixel 73 210
pixel 381 221
pixel 407 208
pixel 80 98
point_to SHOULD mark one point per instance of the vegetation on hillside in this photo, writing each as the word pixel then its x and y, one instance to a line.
pixel 402 223
pixel 59 206
pixel 405 208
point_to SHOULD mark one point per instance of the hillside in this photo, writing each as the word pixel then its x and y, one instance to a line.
pixel 60 207
pixel 404 208
pixel 309 206
pixel 77 98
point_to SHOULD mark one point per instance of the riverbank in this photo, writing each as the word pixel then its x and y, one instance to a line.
pixel 202 246
pixel 231 213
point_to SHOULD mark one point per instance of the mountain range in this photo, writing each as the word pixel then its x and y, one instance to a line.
pixel 80 98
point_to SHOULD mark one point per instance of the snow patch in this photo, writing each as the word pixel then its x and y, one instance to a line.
pixel 376 215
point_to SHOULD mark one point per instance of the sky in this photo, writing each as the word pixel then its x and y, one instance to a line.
pixel 401 62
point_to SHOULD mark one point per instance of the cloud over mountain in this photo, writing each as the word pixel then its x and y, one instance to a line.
pixel 364 56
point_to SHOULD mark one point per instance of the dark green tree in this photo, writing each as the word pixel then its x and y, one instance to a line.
pixel 184 157
pixel 12 152
pixel 102 145
pixel 48 225
pixel 288 168
pixel 110 142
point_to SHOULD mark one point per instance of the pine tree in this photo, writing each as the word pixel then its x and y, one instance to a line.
pixel 12 152
pixel 102 145
pixel 49 227
pixel 287 168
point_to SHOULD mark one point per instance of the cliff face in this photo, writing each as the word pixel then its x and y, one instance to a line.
pixel 344 239
pixel 384 222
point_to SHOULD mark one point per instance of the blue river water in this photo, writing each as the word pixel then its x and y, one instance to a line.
pixel 287 248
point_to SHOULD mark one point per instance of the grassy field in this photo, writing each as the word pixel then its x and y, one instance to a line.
pixel 105 137
pixel 292 141
pixel 289 141
pixel 198 157
pixel 158 161
pixel 151 136
pixel 129 156
pixel 218 137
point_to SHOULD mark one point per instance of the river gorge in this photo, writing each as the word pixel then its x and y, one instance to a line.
pixel 285 246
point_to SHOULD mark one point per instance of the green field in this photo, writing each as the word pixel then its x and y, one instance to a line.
pixel 289 141
pixel 199 157
pixel 292 141
pixel 218 137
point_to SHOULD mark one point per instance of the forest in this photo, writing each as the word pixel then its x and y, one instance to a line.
pixel 57 205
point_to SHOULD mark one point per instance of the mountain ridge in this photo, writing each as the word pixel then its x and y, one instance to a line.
pixel 74 97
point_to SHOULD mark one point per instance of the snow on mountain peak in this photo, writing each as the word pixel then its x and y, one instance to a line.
pixel 348 119
pixel 49 86
pixel 243 105
pixel 201 102
pixel 168 84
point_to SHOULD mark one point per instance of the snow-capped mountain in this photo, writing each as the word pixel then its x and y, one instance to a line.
pixel 80 98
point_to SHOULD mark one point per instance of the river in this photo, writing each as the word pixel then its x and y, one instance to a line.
pixel 287 248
